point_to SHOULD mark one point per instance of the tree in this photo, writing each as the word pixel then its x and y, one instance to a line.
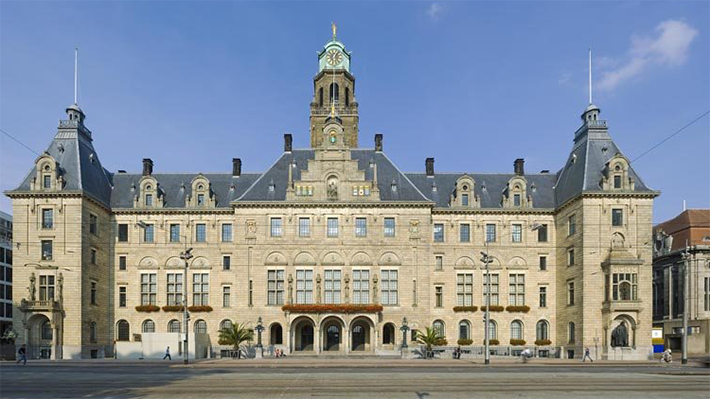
pixel 429 338
pixel 236 335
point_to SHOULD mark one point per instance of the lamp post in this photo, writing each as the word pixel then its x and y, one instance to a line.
pixel 259 329
pixel 487 259
pixel 404 328
pixel 686 310
pixel 186 256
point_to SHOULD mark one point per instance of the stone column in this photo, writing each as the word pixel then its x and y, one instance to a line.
pixel 346 339
pixel 316 339
pixel 55 340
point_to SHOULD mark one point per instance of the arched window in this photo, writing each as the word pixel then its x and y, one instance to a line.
pixel 174 326
pixel 570 332
pixel 46 330
pixel 516 329
pixel 148 326
pixel 438 326
pixel 334 95
pixel 625 291
pixel 492 330
pixel 200 327
pixel 276 334
pixel 388 334
pixel 124 331
pixel 347 96
pixel 464 330
pixel 225 325
pixel 542 330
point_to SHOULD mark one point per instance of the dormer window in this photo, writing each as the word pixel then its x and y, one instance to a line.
pixel 463 195
pixel 516 199
pixel 47 181
pixel 200 199
pixel 464 199
pixel 617 181
pixel 149 200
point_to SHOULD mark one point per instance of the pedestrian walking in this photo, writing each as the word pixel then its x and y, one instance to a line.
pixel 587 356
pixel 22 355
pixel 167 354
pixel 526 354
pixel 667 357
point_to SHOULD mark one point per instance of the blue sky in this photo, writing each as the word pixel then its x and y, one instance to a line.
pixel 473 84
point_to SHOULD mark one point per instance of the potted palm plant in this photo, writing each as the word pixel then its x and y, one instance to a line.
pixel 235 336
pixel 429 338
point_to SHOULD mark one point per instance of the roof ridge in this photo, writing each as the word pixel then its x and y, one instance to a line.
pixel 405 176
pixel 260 177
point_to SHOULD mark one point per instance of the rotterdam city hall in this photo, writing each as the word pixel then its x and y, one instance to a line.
pixel 333 249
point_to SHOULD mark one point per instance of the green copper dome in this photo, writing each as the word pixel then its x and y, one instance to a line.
pixel 334 55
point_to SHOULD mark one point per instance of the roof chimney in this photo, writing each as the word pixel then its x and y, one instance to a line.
pixel 519 166
pixel 378 142
pixel 288 142
pixel 147 166
pixel 236 167
pixel 430 166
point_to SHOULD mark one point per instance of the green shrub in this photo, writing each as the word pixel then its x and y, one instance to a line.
pixel 464 341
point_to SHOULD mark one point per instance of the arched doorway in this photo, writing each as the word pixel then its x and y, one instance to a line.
pixel 276 334
pixel 388 335
pixel 332 334
pixel 40 337
pixel 360 335
pixel 303 335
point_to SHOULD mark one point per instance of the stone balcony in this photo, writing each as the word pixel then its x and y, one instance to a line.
pixel 622 306
pixel 42 306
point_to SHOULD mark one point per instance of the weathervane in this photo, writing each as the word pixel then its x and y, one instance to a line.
pixel 335 29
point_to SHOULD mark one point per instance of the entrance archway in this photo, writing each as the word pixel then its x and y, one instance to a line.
pixel 360 335
pixel 332 328
pixel 303 335
pixel 40 337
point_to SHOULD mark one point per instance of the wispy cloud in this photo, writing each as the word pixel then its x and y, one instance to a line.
pixel 564 78
pixel 668 48
pixel 435 11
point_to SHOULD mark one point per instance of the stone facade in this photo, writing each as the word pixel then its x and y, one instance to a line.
pixel 341 226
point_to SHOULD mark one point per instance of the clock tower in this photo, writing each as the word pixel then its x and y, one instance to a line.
pixel 334 93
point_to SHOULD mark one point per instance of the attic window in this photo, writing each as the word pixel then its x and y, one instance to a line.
pixel 200 187
pixel 394 187
pixel 533 187
pixel 483 187
pixel 46 168
pixel 605 149
pixel 148 187
pixel 516 199
pixel 573 159
pixel 617 168
pixel 464 188
pixel 433 188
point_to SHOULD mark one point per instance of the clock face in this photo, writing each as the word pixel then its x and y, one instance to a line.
pixel 334 57
pixel 332 138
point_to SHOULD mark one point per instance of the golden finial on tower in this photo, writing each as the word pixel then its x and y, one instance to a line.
pixel 335 29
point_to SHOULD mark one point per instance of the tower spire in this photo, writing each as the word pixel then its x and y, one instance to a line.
pixel 76 74
pixel 335 29
pixel 590 75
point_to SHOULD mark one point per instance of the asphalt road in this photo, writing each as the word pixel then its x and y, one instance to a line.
pixel 159 380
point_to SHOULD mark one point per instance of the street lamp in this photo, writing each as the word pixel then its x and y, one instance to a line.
pixel 487 259
pixel 186 256
pixel 404 330
pixel 259 329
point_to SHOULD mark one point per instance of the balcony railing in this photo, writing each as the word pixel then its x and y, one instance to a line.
pixel 49 305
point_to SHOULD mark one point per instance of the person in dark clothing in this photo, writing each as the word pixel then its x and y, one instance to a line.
pixel 167 354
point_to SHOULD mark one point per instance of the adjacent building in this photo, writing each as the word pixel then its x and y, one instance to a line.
pixel 5 273
pixel 334 246
pixel 681 242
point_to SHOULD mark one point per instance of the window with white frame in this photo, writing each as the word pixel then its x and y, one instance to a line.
pixel 46 288
pixel 439 262
pixel 360 227
pixel 276 227
pixel 304 227
pixel 389 227
pixel 388 284
pixel 617 217
pixel 516 329
pixel 304 286
pixel 201 289
pixel 226 296
pixel 47 250
pixel 361 286
pixel 438 232
pixel 47 218
pixel 331 286
pixel 570 293
pixel 174 289
pixel 490 232
pixel 516 289
pixel 332 227
pixel 275 287
pixel 174 232
pixel 439 296
pixel 517 233
pixel 543 297
pixel 465 232
pixel 570 257
pixel 464 289
pixel 494 288
pixel 227 232
pixel 148 233
pixel 93 224
pixel 624 286
pixel 201 232
pixel 571 225
pixel 149 288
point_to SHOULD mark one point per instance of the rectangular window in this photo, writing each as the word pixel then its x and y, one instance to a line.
pixel 361 286
pixel 304 227
pixel 516 199
pixel 332 227
pixel 201 232
pixel 707 294
pixel 464 289
pixel 175 289
pixel 490 233
pixel 46 249
pixel 494 289
pixel 201 289
pixel 149 288
pixel 200 199
pixel 148 233
pixel 439 296
pixel 227 232
pixel 226 262
pixel 122 297
pixel 617 217
pixel 331 287
pixel 543 263
pixel 624 286
pixel 251 292
pixel 360 227
pixel 389 227
pixel 149 200
pixel 275 294
pixel 122 233
pixel 617 181
pixel 47 218
pixel 46 288
pixel 93 292
pixel 439 259
pixel 389 287
pixel 517 233
pixel 542 233
pixel 570 257
pixel 570 293
pixel 543 297
pixel 516 289
pixel 226 296
pixel 571 225
pixel 464 199
pixel 121 263
pixel 438 232
pixel 276 227
pixel 465 232
pixel 174 233
pixel 47 181
pixel 304 286
pixel 93 256
pixel 93 224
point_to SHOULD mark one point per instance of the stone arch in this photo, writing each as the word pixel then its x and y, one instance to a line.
pixel 304 259
pixel 630 325
pixel 362 332
pixel 464 329
pixel 389 334
pixel 332 259
pixel 123 330
pixel 174 262
pixel 200 262
pixel 361 259
pixel 276 334
pixel 38 339
pixel 148 261
pixel 465 261
pixel 618 240
pixel 389 259
pixel 276 259
pixel 302 333
pixel 517 262
pixel 331 329
pixel 517 329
